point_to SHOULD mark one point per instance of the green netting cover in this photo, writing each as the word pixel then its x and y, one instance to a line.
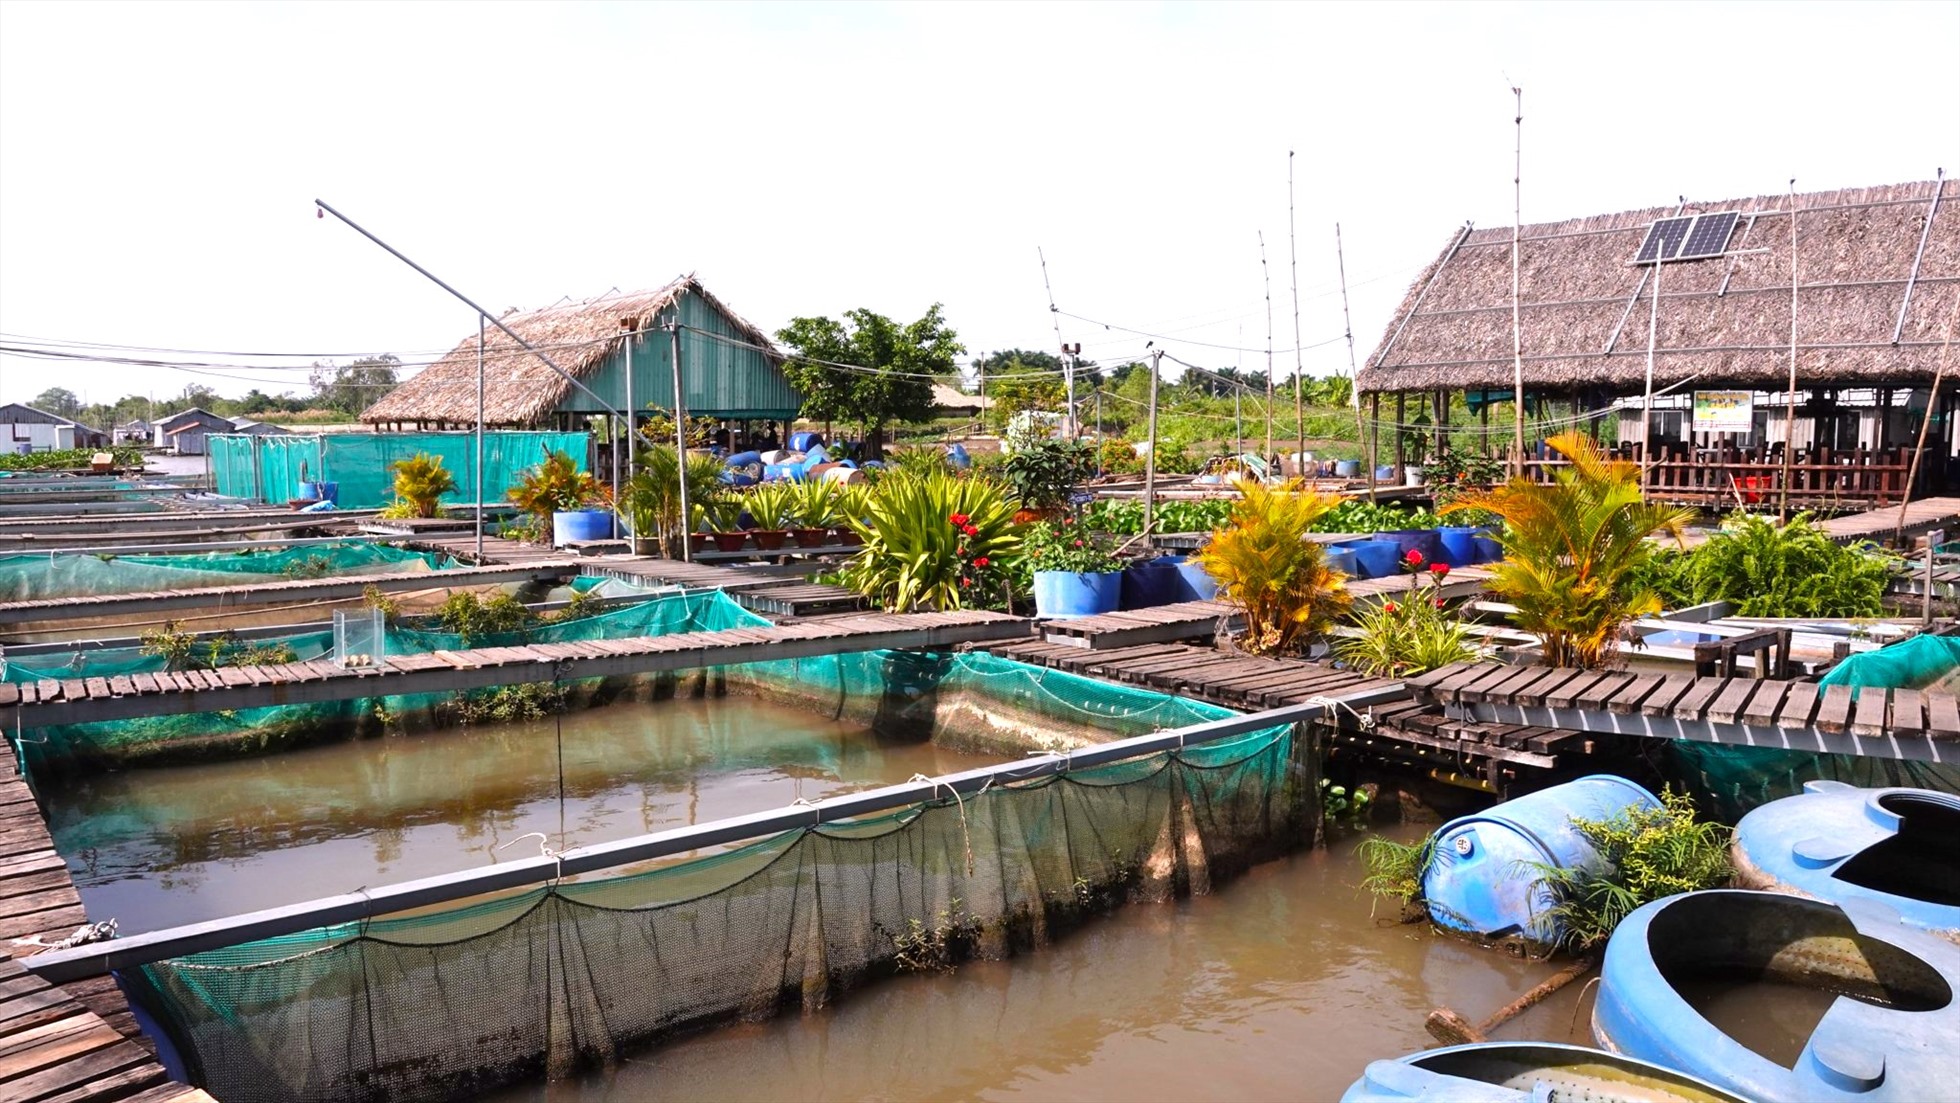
pixel 1921 662
pixel 1729 781
pixel 446 1005
pixel 32 577
pixel 273 467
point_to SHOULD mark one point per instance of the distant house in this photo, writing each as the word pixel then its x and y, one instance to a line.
pixel 729 368
pixel 185 430
pixel 135 429
pixel 251 428
pixel 26 429
pixel 953 401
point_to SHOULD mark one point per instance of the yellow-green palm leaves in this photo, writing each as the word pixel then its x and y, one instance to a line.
pixel 1267 567
pixel 1570 547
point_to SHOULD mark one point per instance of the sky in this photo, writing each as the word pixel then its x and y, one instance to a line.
pixel 158 161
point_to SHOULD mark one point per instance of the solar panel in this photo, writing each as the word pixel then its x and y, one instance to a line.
pixel 1663 239
pixel 1710 237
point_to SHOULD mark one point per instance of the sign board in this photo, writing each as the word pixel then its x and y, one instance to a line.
pixel 1724 412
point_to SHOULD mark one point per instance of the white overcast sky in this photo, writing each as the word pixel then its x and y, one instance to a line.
pixel 158 160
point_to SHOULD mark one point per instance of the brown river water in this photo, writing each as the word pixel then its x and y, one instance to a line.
pixel 1279 985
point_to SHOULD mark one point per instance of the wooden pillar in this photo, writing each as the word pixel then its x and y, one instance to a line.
pixel 1401 419
pixel 1374 438
pixel 1442 408
pixel 1483 422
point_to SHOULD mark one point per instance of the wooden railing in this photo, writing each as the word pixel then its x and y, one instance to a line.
pixel 1750 477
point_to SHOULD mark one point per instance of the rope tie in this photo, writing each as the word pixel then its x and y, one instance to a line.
pixel 811 803
pixel 544 851
pixel 1336 705
pixel 966 836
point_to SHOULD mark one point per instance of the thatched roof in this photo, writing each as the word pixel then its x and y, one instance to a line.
pixel 1723 320
pixel 952 398
pixel 519 389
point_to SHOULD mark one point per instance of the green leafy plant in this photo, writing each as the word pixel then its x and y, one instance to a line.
pixel 1268 569
pixel 1573 551
pixel 1395 869
pixel 816 503
pixel 1771 570
pixel 554 486
pixel 931 541
pixel 177 648
pixel 1356 515
pixel 420 483
pixel 65 458
pixel 1064 545
pixel 312 566
pixel 509 704
pixel 1341 807
pixel 1124 517
pixel 771 505
pixel 651 499
pixel 724 514
pixel 1401 639
pixel 472 618
pixel 1647 854
pixel 373 597
pixel 937 946
pixel 1044 473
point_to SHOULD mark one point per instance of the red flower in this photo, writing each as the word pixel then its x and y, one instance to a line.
pixel 971 530
pixel 1414 558
pixel 1439 603
pixel 959 518
pixel 1391 607
pixel 1078 543
pixel 966 582
pixel 1439 570
pixel 982 561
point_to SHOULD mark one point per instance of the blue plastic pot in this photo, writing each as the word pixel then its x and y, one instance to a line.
pixel 1194 583
pixel 320 492
pixel 1347 469
pixel 1342 559
pixel 1062 595
pixel 1488 549
pixel 1385 473
pixel 581 525
pixel 1376 558
pixel 1459 544
pixel 1427 541
pixel 1151 582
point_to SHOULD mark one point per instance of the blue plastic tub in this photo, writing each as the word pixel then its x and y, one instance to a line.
pixel 320 492
pixel 1341 558
pixel 1487 1072
pixel 1479 878
pixel 1194 583
pixel 1347 469
pixel 1151 582
pixel 1887 1035
pixel 1837 842
pixel 581 525
pixel 1062 595
pixel 1385 473
pixel 1376 558
pixel 1488 548
pixel 1427 541
pixel 1459 545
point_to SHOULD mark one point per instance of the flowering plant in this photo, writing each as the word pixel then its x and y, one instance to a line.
pixel 1065 545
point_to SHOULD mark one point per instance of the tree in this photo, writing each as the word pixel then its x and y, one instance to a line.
pixel 58 400
pixel 898 362
pixel 353 387
pixel 1020 380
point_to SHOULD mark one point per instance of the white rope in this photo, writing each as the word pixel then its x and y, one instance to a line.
pixel 544 850
pixel 1366 720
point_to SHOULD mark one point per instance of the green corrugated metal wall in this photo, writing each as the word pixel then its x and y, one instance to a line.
pixel 721 379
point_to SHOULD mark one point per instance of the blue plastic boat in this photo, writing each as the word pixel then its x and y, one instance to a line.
pixel 1838 842
pixel 1833 1002
pixel 1522 1072
pixel 1481 878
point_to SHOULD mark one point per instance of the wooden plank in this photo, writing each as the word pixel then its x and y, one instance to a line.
pixel 1942 714
pixel 1546 681
pixel 118 1086
pixel 1834 709
pixel 1763 707
pixel 1868 716
pixel 1583 692
pixel 1497 682
pixel 1694 703
pixel 71 1074
pixel 1908 712
pixel 1725 706
pixel 1798 706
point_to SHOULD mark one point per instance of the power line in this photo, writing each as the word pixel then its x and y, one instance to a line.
pixel 1189 341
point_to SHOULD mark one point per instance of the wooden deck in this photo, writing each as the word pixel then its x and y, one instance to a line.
pixel 1184 620
pixel 79 700
pixel 764 591
pixel 1785 715
pixel 78 1042
pixel 274 592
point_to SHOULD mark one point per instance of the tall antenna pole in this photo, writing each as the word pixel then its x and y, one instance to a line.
pixel 1354 376
pixel 1068 363
pixel 1268 274
pixel 1299 391
pixel 1790 398
pixel 1517 324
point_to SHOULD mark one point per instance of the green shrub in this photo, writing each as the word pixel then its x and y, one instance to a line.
pixel 1767 570
pixel 1065 545
pixel 471 618
pixel 1043 473
pixel 1395 869
pixel 932 541
pixel 1648 854
pixel 1400 639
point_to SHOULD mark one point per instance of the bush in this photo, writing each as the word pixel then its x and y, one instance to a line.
pixel 1043 473
pixel 471 618
pixel 1065 545
pixel 1267 568
pixel 932 540
pixel 1395 869
pixel 66 458
pixel 420 483
pixel 554 486
pixel 1406 638
pixel 1648 854
pixel 1768 570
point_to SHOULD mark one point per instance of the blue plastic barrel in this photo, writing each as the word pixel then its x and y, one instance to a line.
pixel 957 456
pixel 1376 558
pixel 1385 473
pixel 1489 550
pixel 1480 879
pixel 1341 558
pixel 1515 1072
pixel 1194 583
pixel 804 441
pixel 743 459
pixel 1459 544
pixel 1062 595
pixel 1150 582
pixel 790 471
pixel 1427 541
pixel 1347 469
pixel 329 492
pixel 581 525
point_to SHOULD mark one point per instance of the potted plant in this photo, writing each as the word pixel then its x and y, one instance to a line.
pixel 724 519
pixel 651 501
pixel 1268 570
pixel 557 493
pixel 770 507
pixel 420 483
pixel 932 540
pixel 853 503
pixel 1075 573
pixel 701 537
pixel 813 511
pixel 1043 473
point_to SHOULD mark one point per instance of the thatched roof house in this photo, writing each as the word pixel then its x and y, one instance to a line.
pixel 730 369
pixel 1877 272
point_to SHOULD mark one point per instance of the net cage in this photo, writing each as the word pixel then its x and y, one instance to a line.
pixel 33 577
pixel 275 468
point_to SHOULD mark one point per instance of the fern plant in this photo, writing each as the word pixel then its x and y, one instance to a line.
pixel 1771 570
pixel 931 540
pixel 1646 854
pixel 1267 568
pixel 420 483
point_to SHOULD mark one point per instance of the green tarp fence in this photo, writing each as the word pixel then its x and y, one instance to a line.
pixel 30 577
pixel 273 467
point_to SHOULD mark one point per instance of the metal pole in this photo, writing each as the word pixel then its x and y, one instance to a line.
pixel 1150 460
pixel 1267 273
pixel 479 438
pixel 1517 323
pixel 1790 397
pixel 1299 370
pixel 632 430
pixel 1099 435
pixel 680 439
pixel 1647 409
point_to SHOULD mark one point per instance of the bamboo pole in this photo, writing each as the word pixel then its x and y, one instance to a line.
pixel 1299 369
pixel 1790 398
pixel 1919 449
pixel 1354 375
pixel 1517 324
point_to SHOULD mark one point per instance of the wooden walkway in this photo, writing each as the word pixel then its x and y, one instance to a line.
pixel 762 591
pixel 80 700
pixel 1786 715
pixel 72 1042
pixel 1184 620
pixel 1411 731
pixel 278 591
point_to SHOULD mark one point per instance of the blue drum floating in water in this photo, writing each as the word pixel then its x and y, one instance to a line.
pixel 1817 1001
pixel 1837 842
pixel 1480 877
pixel 1524 1072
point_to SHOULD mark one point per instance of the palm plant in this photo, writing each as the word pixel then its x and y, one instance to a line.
pixel 931 540
pixel 652 499
pixel 554 486
pixel 816 503
pixel 1277 578
pixel 772 505
pixel 420 483
pixel 1573 549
